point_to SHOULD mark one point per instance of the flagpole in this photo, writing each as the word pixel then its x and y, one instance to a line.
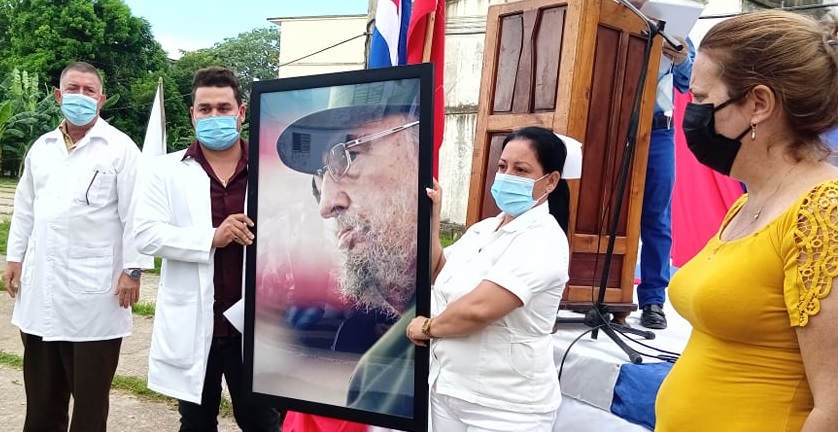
pixel 429 36
pixel 162 109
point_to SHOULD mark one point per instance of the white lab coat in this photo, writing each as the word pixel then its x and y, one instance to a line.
pixel 72 230
pixel 174 221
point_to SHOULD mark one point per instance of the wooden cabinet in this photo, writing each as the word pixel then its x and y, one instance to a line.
pixel 573 67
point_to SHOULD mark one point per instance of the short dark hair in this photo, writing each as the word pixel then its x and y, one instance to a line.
pixel 81 67
pixel 216 76
pixel 550 151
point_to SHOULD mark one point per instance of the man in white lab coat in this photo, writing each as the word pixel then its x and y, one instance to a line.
pixel 191 213
pixel 73 268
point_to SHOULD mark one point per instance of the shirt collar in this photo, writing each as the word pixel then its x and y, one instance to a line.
pixel 62 127
pixel 518 223
pixel 98 130
pixel 195 151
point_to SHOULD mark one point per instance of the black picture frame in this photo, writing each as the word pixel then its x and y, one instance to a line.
pixel 288 361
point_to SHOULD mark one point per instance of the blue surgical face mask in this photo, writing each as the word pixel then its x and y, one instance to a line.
pixel 217 133
pixel 513 194
pixel 78 109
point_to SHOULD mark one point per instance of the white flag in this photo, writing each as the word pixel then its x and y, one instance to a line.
pixel 155 134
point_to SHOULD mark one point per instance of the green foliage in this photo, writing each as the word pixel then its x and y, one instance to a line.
pixel 143 309
pixel 447 239
pixel 253 55
pixel 4 236
pixel 44 36
pixel 41 37
pixel 179 127
pixel 139 387
pixel 184 68
pixel 24 128
pixel 158 263
pixel 12 360
pixel 27 110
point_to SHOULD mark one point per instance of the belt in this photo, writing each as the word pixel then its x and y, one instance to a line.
pixel 662 122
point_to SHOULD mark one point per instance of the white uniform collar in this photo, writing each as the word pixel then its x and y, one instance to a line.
pixel 100 129
pixel 519 223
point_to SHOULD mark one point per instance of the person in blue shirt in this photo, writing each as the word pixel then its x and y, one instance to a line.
pixel 656 214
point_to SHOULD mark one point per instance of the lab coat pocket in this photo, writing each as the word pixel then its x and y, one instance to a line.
pixel 28 264
pixel 175 323
pixel 95 187
pixel 91 269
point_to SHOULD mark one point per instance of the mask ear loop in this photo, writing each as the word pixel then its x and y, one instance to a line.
pixel 548 192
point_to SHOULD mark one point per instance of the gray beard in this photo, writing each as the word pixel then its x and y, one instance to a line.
pixel 380 272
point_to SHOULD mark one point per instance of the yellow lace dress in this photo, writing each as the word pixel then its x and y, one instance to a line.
pixel 741 370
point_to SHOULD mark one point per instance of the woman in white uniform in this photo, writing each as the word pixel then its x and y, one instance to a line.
pixel 496 294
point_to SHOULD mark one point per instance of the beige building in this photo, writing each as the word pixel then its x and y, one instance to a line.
pixel 321 44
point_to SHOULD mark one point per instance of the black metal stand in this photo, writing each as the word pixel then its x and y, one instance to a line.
pixel 599 317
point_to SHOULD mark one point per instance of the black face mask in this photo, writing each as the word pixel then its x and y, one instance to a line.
pixel 712 150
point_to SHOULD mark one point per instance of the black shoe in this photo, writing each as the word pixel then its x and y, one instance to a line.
pixel 653 317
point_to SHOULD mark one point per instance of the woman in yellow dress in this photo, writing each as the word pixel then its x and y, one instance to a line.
pixel 763 353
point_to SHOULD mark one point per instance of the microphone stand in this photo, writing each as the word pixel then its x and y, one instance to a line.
pixel 599 317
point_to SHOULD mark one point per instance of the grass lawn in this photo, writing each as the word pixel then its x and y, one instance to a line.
pixel 447 239
pixel 4 235
pixel 143 309
pixel 157 263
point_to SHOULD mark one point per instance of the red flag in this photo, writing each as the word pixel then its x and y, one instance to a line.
pixel 424 44
pixel 701 197
pixel 299 422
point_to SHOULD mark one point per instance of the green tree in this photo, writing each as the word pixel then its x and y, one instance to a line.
pixel 253 55
pixel 27 110
pixel 178 91
pixel 184 68
pixel 44 36
pixel 24 128
pixel 179 129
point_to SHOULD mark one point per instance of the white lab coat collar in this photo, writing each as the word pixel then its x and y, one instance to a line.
pixel 101 131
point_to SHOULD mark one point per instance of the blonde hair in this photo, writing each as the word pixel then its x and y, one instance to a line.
pixel 793 55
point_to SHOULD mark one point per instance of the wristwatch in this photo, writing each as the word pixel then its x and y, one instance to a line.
pixel 133 273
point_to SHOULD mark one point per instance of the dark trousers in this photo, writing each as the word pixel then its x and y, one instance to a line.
pixel 52 371
pixel 225 358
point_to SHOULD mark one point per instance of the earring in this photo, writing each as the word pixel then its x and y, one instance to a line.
pixel 753 131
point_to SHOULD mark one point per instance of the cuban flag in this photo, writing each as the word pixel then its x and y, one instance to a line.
pixel 388 46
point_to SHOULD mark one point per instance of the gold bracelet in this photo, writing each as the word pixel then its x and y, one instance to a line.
pixel 426 327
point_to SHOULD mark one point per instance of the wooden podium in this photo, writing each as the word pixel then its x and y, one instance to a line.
pixel 573 67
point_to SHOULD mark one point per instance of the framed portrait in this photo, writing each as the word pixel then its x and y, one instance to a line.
pixel 338 166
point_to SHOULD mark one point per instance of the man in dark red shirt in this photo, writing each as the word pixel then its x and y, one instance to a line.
pixel 192 215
